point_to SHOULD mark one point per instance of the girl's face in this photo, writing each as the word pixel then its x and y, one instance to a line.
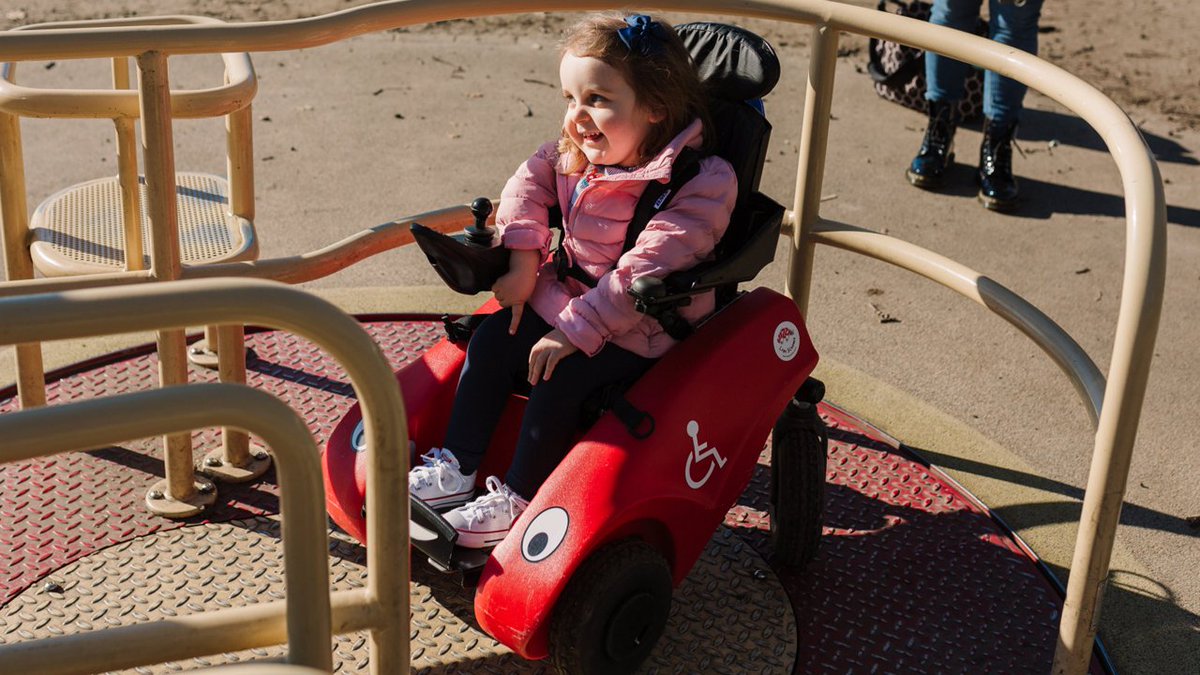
pixel 603 115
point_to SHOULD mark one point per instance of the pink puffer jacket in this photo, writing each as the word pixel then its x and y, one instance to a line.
pixel 676 238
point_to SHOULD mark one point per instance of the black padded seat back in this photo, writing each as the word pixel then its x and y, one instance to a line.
pixel 736 67
pixel 741 138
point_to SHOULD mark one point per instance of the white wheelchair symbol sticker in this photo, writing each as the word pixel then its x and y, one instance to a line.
pixel 700 453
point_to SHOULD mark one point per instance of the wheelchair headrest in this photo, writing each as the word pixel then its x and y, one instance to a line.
pixel 737 67
pixel 734 63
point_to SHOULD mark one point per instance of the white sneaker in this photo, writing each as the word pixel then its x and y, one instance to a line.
pixel 439 482
pixel 485 521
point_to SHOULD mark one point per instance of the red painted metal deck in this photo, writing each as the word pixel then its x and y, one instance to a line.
pixel 914 575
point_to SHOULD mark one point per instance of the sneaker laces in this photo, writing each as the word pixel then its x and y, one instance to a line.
pixel 498 496
pixel 439 464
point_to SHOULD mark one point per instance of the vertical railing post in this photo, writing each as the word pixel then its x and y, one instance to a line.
pixel 239 139
pixel 387 495
pixel 233 462
pixel 182 493
pixel 814 137
pixel 127 175
pixel 31 378
pixel 1116 430
pixel 229 342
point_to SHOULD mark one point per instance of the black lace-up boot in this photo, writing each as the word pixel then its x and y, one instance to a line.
pixel 928 168
pixel 997 186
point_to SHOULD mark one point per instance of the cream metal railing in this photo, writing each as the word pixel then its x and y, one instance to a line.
pixel 39 432
pixel 1115 405
pixel 382 607
pixel 27 252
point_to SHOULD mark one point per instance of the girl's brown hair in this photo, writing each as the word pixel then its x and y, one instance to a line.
pixel 664 81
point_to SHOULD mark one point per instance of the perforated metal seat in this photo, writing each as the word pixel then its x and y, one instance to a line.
pixel 79 230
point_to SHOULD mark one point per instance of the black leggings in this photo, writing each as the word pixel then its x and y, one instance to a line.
pixel 497 364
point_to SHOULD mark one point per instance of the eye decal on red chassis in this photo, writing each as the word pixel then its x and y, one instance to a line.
pixel 544 534
pixel 358 439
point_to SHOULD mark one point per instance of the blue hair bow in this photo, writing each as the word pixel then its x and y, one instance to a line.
pixel 643 35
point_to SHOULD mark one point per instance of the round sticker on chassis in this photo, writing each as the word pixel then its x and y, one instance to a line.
pixel 786 341
pixel 544 534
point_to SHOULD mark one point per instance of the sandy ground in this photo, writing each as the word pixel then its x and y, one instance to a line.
pixel 1144 55
pixel 422 117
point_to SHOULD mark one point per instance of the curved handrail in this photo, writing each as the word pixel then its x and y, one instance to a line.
pixel 179 304
pixel 238 91
pixel 1065 351
pixel 288 269
pixel 44 431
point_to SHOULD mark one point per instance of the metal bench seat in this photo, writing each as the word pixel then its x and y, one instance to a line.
pixel 80 230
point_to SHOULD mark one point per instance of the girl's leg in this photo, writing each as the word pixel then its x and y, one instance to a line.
pixel 944 77
pixel 496 363
pixel 553 414
pixel 1016 26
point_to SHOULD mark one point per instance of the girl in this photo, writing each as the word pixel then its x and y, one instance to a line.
pixel 633 101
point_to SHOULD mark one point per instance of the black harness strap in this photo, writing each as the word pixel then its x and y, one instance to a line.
pixel 655 198
pixel 638 422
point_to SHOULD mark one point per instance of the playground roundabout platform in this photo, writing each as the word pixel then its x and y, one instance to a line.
pixel 914 574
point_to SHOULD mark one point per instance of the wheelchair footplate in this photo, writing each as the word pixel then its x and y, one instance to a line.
pixel 437 539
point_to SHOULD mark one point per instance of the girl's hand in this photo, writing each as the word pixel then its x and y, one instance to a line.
pixel 515 287
pixel 546 354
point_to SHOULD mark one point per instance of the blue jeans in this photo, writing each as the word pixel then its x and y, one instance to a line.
pixel 497 365
pixel 1009 25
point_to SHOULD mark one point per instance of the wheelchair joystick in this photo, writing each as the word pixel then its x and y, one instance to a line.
pixel 480 234
pixel 647 292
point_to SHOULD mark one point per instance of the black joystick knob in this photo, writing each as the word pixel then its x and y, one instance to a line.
pixel 648 289
pixel 480 234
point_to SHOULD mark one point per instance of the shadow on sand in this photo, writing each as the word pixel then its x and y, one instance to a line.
pixel 1041 199
pixel 1145 632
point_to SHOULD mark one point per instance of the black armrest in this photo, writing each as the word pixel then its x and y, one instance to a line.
pixel 748 247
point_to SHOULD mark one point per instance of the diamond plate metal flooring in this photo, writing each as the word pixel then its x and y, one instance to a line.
pixel 913 575
pixel 218 565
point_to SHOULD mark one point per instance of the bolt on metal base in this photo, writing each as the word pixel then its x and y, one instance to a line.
pixel 216 467
pixel 159 501
pixel 199 354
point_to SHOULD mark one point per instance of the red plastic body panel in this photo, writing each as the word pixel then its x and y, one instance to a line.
pixel 428 389
pixel 714 398
pixel 427 385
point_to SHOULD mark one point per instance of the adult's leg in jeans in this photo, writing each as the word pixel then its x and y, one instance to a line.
pixel 553 414
pixel 496 363
pixel 1017 27
pixel 945 77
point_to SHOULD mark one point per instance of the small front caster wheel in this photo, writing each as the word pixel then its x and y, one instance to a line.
pixel 612 611
pixel 798 457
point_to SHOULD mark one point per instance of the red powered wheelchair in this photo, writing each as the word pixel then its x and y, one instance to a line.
pixel 586 574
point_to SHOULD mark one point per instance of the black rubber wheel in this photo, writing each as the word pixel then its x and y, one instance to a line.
pixel 798 458
pixel 612 611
